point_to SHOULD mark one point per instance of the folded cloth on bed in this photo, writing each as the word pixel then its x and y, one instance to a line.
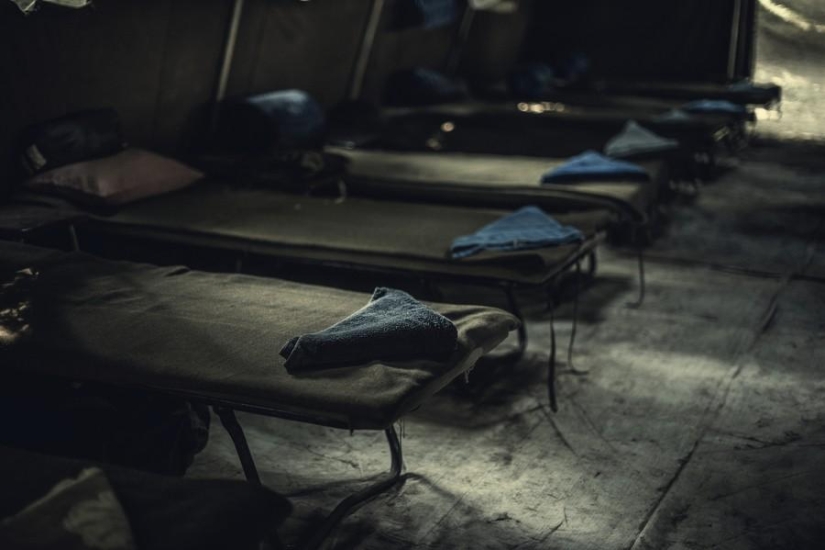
pixel 591 165
pixel 674 115
pixel 525 229
pixel 425 14
pixel 635 139
pixel 714 106
pixel 392 326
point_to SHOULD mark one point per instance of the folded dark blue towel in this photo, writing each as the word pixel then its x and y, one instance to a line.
pixel 420 86
pixel 714 106
pixel 636 140
pixel 425 14
pixel 394 326
pixel 525 229
pixel 591 165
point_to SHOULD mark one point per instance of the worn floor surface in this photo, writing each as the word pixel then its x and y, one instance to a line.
pixel 697 421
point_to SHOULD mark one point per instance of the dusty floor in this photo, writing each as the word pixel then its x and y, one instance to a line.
pixel 791 53
pixel 699 421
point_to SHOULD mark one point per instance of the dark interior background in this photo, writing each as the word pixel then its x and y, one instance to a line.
pixel 157 61
pixel 684 40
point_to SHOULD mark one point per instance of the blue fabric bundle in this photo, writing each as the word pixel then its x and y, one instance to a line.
pixel 526 229
pixel 286 119
pixel 636 140
pixel 393 326
pixel 591 165
pixel 420 86
pixel 424 14
pixel 531 81
pixel 714 106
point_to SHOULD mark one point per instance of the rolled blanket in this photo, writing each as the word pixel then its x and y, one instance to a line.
pixel 637 140
pixel 714 106
pixel 424 14
pixel 526 229
pixel 591 165
pixel 393 326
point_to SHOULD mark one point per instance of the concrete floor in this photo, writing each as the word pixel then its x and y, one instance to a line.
pixel 697 421
pixel 791 53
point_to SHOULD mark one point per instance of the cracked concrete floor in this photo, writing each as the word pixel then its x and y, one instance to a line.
pixel 699 420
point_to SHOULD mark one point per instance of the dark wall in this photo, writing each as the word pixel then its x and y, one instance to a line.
pixel 157 61
pixel 645 39
pixel 307 45
pixel 152 60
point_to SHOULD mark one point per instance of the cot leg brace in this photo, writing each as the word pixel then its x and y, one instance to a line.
pixel 522 329
pixel 233 427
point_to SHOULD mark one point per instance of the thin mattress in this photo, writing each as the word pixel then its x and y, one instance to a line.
pixel 217 337
pixel 363 234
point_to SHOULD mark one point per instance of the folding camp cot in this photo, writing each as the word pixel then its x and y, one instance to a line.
pixel 215 339
pixel 400 239
pixel 505 182
pixel 497 181
pixel 162 511
pixel 534 129
pixel 760 95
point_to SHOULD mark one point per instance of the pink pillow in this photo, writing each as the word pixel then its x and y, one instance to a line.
pixel 116 180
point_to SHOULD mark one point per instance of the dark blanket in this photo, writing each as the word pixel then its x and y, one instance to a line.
pixel 393 326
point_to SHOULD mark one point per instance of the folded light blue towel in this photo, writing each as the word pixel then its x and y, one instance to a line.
pixel 636 140
pixel 526 229
pixel 674 115
pixel 425 14
pixel 714 106
pixel 591 165
pixel 393 326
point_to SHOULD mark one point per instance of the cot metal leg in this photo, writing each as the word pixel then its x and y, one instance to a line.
pixel 592 265
pixel 73 238
pixel 551 365
pixel 356 499
pixel 233 427
pixel 522 329
pixel 640 252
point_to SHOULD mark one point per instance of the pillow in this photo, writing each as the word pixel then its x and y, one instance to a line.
pixel 80 513
pixel 116 180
